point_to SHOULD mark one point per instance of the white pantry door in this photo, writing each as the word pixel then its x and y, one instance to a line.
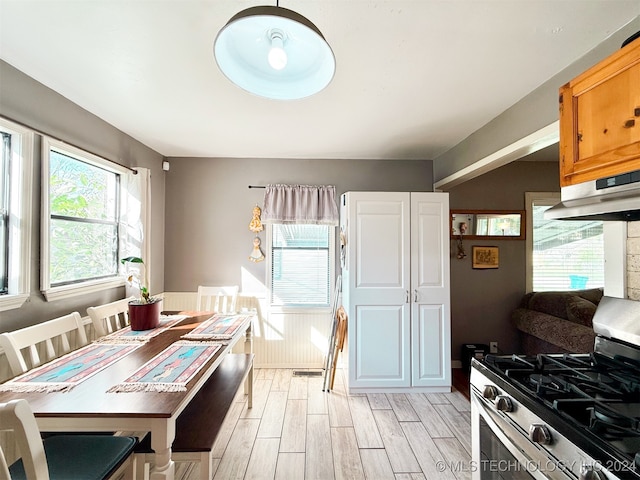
pixel 430 310
pixel 378 243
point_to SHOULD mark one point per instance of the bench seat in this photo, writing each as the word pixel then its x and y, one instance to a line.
pixel 198 425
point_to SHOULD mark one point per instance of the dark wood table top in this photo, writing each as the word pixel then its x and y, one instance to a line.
pixel 90 398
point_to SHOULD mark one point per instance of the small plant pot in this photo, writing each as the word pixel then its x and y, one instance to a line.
pixel 144 316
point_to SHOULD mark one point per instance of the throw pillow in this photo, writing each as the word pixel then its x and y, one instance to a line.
pixel 580 310
pixel 551 303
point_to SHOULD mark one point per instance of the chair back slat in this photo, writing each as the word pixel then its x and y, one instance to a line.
pixel 41 336
pixel 110 317
pixel 34 357
pixel 64 339
pixel 217 299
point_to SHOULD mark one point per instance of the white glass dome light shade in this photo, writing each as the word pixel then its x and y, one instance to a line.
pixel 242 49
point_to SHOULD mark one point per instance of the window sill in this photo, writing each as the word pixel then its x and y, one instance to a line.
pixel 11 302
pixel 68 291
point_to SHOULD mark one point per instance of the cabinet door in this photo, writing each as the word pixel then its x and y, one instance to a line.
pixel 600 119
pixel 430 316
pixel 378 282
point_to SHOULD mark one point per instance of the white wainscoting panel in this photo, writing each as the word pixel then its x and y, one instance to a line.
pixel 280 339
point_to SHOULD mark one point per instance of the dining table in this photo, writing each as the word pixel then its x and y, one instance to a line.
pixel 92 405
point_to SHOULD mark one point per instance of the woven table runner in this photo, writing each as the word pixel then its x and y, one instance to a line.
pixel 218 327
pixel 127 335
pixel 64 373
pixel 171 369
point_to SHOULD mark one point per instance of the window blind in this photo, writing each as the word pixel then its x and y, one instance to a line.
pixel 567 255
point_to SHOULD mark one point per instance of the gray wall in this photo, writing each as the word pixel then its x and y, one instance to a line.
pixel 209 208
pixel 533 112
pixel 30 103
pixel 482 300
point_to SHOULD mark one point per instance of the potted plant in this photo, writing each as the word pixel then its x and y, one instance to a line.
pixel 144 312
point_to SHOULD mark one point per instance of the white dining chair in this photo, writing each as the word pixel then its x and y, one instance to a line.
pixel 62 457
pixel 217 299
pixel 54 338
pixel 109 317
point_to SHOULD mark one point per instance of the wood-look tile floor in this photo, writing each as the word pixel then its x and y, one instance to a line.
pixel 297 431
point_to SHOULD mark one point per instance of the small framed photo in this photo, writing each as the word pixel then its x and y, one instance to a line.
pixel 485 257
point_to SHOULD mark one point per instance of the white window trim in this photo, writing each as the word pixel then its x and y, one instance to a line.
pixel 529 199
pixel 83 288
pixel 20 204
pixel 292 308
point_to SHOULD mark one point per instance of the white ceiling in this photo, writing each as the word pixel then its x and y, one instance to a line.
pixel 413 78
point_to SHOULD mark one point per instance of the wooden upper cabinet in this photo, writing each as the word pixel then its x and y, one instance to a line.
pixel 600 119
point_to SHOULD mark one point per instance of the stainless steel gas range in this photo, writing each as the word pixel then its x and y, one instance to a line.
pixel 562 416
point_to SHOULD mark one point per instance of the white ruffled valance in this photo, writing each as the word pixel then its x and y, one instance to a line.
pixel 307 204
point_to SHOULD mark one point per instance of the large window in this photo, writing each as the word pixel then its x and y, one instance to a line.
pixel 5 158
pixel 563 254
pixel 15 213
pixel 81 212
pixel 301 264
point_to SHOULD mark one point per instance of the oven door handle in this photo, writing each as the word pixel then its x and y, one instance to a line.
pixel 539 464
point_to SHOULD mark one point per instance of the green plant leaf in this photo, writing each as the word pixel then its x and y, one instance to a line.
pixel 131 260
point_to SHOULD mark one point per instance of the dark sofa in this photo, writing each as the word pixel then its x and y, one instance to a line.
pixel 557 322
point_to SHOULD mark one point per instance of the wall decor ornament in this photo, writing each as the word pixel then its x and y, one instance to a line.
pixel 485 257
pixel 461 253
pixel 255 225
pixel 256 254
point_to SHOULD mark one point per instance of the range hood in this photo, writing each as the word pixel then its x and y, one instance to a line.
pixel 610 198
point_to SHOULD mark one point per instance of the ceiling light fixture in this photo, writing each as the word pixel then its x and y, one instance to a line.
pixel 275 53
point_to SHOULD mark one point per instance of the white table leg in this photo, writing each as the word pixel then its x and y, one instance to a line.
pixel 162 435
pixel 250 387
pixel 248 348
pixel 248 338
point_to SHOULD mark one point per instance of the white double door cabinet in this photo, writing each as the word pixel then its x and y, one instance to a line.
pixel 396 290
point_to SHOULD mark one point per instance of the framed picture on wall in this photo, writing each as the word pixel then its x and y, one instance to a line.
pixel 485 257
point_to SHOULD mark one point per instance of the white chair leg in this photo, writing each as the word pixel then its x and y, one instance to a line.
pixel 141 466
pixel 130 471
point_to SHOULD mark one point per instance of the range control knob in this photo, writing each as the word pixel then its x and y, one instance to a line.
pixel 590 473
pixel 504 403
pixel 539 433
pixel 490 392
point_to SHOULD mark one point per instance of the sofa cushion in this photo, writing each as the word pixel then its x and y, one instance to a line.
pixel 555 303
pixel 594 295
pixel 580 310
pixel 567 335
pixel 551 303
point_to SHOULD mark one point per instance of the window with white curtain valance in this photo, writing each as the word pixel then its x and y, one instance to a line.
pixel 301 221
pixel 300 204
